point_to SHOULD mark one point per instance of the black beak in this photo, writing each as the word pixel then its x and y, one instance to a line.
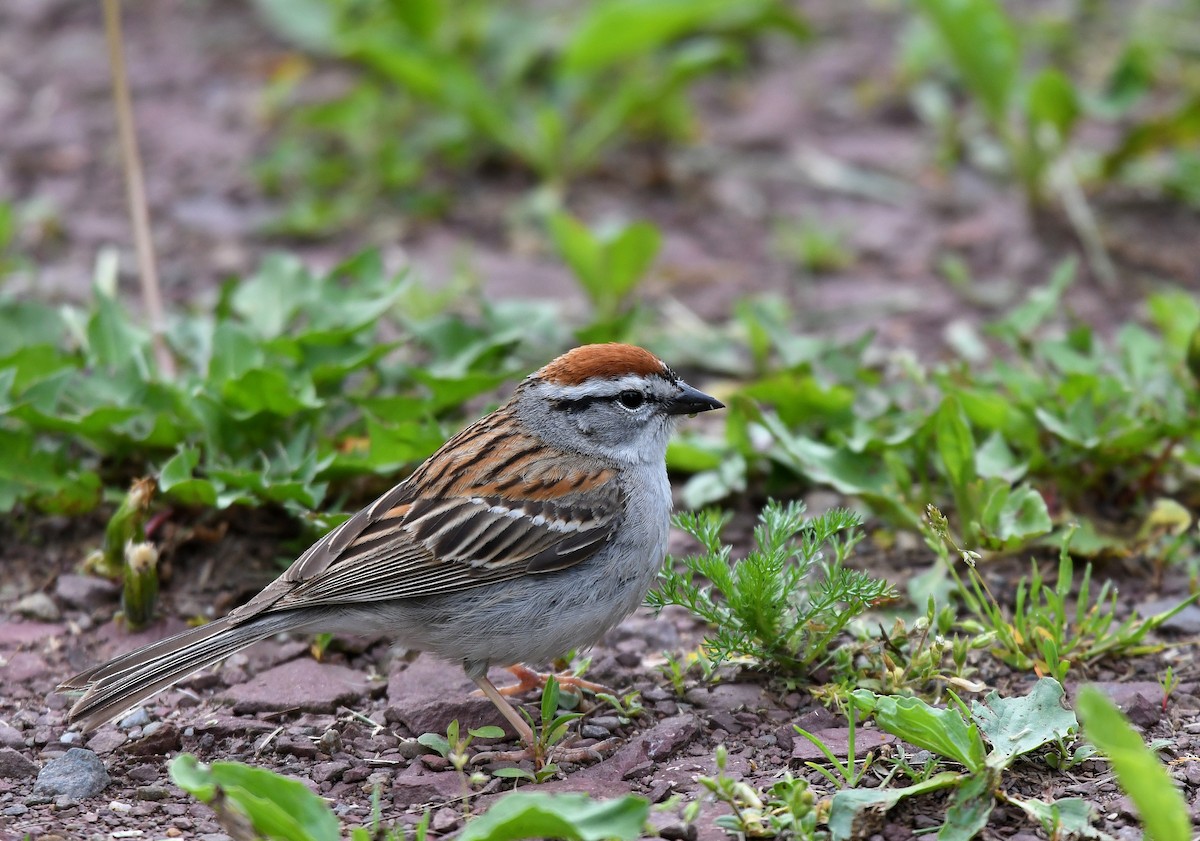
pixel 689 401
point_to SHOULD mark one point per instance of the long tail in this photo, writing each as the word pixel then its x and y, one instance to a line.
pixel 124 682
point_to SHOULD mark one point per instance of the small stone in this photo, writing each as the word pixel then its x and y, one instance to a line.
pixel 837 740
pixel 670 735
pixel 38 606
pixel 326 772
pixel 85 592
pixel 608 722
pixel 152 793
pixel 331 742
pixel 444 820
pixel 591 731
pixel 157 738
pixel 11 737
pixel 410 748
pixel 106 740
pixel 76 775
pixel 411 788
pixel 138 718
pixel 16 766
pixel 637 771
pixel 16 810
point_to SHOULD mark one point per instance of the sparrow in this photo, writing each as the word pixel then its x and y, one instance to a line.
pixel 533 531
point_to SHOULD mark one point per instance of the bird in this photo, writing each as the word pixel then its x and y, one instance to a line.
pixel 533 531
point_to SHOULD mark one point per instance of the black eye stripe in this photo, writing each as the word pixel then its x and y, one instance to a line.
pixel 578 404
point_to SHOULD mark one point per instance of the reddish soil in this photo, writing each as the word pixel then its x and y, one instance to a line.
pixel 346 725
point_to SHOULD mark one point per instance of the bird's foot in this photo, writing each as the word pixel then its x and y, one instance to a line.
pixel 528 679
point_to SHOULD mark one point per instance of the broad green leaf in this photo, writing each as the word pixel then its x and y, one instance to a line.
pixel 970 806
pixel 630 255
pixel 1070 815
pixel 955 444
pixel 943 731
pixel 1016 726
pixel 27 323
pixel 801 398
pixel 995 459
pixel 852 804
pixel 269 390
pixel 573 817
pixel 1022 517
pixel 984 49
pixel 176 479
pixel 1160 804
pixel 581 250
pixel 1052 100
pixel 278 807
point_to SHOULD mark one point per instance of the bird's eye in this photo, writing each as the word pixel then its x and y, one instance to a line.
pixel 631 399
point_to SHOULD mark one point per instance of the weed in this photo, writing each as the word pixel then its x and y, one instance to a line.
pixel 922 657
pixel 462 85
pixel 1012 726
pixel 553 726
pixel 764 606
pixel 608 262
pixel 1044 634
pixel 788 808
pixel 253 802
pixel 847 771
pixel 453 746
pixel 813 246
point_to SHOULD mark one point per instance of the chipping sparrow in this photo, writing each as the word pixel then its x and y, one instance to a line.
pixel 533 531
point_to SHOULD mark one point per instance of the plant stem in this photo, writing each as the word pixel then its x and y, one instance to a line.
pixel 135 187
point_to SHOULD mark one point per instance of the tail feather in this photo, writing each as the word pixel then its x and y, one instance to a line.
pixel 124 682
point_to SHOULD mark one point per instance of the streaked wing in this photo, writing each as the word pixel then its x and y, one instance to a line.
pixel 451 527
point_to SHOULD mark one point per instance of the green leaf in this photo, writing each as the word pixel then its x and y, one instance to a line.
pixel 435 742
pixel 1071 816
pixel 983 46
pixel 268 390
pixel 630 255
pixel 1161 806
pixel 581 250
pixel 943 731
pixel 970 807
pixel 176 479
pixel 278 807
pixel 619 30
pixel 1016 726
pixel 994 459
pixel 573 817
pixel 1053 101
pixel 1022 517
pixel 955 444
pixel 853 808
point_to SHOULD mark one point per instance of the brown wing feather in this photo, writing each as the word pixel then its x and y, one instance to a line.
pixel 451 527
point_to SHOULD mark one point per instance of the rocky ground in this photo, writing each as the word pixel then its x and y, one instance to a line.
pixel 347 724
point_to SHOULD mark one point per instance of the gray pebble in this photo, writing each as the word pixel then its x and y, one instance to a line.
pixel 38 606
pixel 74 776
pixel 138 718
